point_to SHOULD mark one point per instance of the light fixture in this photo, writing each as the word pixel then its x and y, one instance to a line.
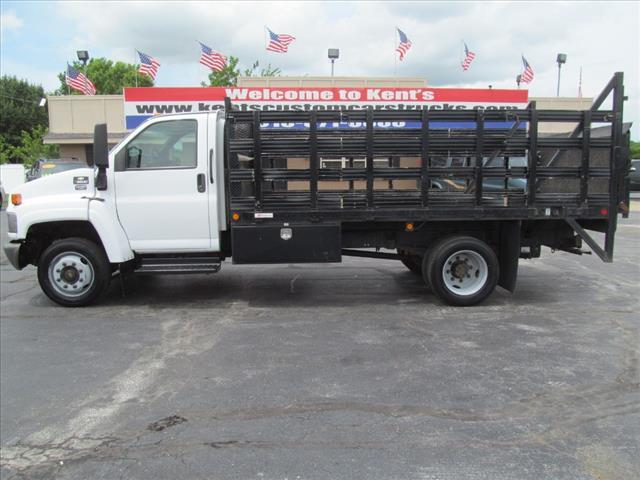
pixel 83 56
pixel 561 59
pixel 333 55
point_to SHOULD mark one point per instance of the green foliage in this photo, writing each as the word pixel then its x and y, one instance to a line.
pixel 228 77
pixel 19 109
pixel 29 149
pixel 256 71
pixel 6 151
pixel 634 149
pixel 108 77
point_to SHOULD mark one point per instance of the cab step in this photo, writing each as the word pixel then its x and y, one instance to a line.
pixel 182 265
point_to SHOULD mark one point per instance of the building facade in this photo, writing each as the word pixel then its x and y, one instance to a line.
pixel 72 117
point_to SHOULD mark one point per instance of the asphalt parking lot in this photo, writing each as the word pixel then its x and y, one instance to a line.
pixel 350 371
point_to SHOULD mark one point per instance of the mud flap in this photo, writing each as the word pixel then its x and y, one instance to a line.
pixel 509 254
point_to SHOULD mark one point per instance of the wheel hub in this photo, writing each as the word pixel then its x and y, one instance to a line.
pixel 461 269
pixel 465 272
pixel 71 274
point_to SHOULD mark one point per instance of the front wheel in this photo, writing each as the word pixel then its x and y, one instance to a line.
pixel 462 271
pixel 73 272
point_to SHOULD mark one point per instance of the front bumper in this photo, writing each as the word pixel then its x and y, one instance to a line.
pixel 12 251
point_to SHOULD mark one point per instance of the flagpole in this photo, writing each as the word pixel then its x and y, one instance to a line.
pixel 134 64
pixel 580 84
pixel 198 66
pixel 395 57
pixel 266 42
pixel 85 78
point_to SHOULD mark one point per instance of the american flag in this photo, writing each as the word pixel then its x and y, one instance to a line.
pixel 279 43
pixel 78 81
pixel 405 44
pixel 148 65
pixel 527 74
pixel 468 58
pixel 212 59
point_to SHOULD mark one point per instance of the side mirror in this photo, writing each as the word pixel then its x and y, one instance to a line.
pixel 101 154
pixel 100 146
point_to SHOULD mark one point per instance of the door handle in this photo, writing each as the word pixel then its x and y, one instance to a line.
pixel 201 183
pixel 211 165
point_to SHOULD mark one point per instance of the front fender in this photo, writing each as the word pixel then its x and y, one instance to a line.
pixel 116 244
pixel 47 209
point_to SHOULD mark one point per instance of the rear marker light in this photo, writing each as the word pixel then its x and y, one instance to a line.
pixel 235 216
pixel 604 211
pixel 409 227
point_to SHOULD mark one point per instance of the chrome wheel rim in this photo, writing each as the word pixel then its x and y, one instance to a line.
pixel 71 274
pixel 465 272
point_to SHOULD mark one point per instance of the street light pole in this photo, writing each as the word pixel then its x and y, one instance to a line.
pixel 83 56
pixel 561 58
pixel 333 55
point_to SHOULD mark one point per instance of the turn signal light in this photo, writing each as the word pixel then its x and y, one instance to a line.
pixel 16 199
pixel 409 227
pixel 235 216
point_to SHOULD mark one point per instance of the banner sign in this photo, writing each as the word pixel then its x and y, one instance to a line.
pixel 143 103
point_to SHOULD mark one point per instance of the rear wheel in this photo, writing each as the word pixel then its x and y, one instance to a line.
pixel 73 272
pixel 461 270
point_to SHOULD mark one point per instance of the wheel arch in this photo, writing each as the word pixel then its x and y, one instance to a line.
pixel 41 235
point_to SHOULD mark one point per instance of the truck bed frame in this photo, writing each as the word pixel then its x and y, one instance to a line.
pixel 465 174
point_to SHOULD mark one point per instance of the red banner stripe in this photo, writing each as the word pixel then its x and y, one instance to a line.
pixel 366 95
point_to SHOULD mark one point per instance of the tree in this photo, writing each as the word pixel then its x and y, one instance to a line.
pixel 29 149
pixel 32 148
pixel 634 149
pixel 228 77
pixel 20 109
pixel 108 77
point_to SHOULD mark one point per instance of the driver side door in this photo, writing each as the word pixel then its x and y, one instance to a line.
pixel 161 187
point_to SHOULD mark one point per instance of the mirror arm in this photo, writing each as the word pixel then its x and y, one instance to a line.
pixel 101 179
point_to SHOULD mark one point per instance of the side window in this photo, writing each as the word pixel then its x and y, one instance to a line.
pixel 167 144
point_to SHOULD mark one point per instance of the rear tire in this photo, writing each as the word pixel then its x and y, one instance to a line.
pixel 74 272
pixel 462 271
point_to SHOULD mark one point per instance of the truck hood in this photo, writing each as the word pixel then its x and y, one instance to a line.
pixel 73 183
pixel 59 197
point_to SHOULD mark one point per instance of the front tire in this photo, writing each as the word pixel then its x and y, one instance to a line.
pixel 461 270
pixel 74 272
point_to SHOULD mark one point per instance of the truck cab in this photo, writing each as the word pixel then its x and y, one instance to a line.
pixel 162 193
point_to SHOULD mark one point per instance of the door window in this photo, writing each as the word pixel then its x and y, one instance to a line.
pixel 170 144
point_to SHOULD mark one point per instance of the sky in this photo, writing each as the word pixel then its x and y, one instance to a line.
pixel 38 38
